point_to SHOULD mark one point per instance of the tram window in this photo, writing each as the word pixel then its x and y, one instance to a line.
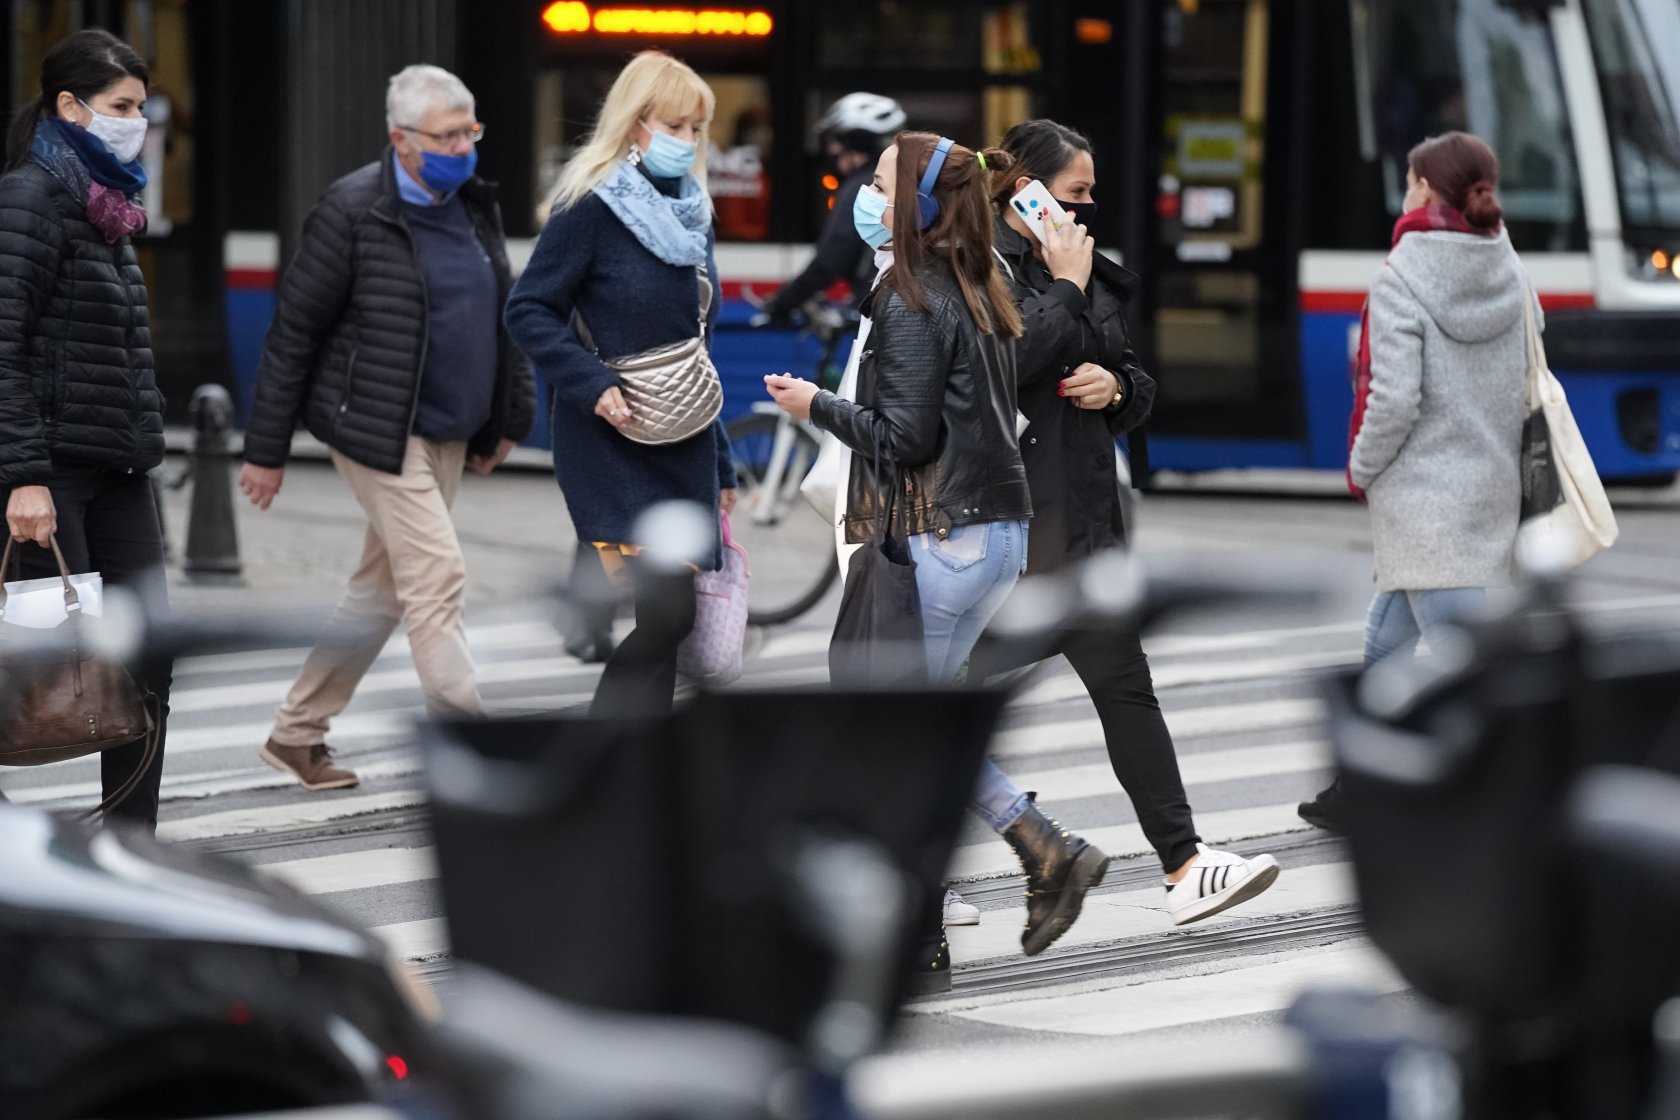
pixel 1639 75
pixel 1480 66
pixel 737 163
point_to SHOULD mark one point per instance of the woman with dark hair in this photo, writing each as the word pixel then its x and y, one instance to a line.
pixel 1081 388
pixel 934 422
pixel 81 418
pixel 1436 435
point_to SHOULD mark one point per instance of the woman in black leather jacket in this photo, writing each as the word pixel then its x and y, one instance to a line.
pixel 81 417
pixel 1080 388
pixel 935 421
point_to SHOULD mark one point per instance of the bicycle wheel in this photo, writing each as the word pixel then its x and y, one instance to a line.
pixel 790 544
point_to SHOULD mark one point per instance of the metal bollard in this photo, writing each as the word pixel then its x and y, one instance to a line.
pixel 212 540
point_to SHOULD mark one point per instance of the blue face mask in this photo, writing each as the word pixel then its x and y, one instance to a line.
pixel 666 156
pixel 867 211
pixel 445 173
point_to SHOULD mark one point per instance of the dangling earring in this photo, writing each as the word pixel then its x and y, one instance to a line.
pixel 635 154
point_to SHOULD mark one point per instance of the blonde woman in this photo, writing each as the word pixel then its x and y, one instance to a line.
pixel 627 247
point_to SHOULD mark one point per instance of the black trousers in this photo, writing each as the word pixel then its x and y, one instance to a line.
pixel 640 678
pixel 1140 748
pixel 108 523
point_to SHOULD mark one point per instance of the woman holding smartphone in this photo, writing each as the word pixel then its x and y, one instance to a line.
pixel 1080 388
pixel 935 416
pixel 628 250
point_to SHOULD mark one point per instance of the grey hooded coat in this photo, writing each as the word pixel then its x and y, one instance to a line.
pixel 1437 453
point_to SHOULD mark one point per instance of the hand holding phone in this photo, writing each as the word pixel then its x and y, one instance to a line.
pixel 1032 202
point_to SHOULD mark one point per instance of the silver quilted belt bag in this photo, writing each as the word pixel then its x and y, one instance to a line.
pixel 673 390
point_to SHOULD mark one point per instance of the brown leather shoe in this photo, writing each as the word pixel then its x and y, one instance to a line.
pixel 311 766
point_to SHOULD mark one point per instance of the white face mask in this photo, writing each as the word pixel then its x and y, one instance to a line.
pixel 123 135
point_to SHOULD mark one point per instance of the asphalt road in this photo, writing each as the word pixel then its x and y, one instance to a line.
pixel 1238 685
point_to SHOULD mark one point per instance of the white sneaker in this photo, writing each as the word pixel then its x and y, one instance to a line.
pixel 1217 881
pixel 958 912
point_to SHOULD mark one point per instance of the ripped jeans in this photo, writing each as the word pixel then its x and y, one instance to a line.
pixel 963 578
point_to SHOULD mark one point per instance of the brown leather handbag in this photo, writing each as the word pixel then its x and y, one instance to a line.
pixel 59 701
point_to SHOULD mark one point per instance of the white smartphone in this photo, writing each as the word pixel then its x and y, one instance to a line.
pixel 1032 202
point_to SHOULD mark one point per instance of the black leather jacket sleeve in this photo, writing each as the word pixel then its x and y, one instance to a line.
pixel 912 353
pixel 31 245
pixel 313 293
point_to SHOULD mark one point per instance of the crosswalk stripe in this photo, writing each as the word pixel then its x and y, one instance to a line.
pixel 352 871
pixel 358 727
pixel 1137 913
pixel 1186 723
pixel 993 858
pixel 480 639
pixel 246 822
pixel 1270 984
pixel 385 867
pixel 1199 768
pixel 274 691
pixel 1067 686
pixel 195 785
pixel 1105 917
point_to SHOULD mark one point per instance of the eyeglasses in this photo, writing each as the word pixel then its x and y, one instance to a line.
pixel 471 135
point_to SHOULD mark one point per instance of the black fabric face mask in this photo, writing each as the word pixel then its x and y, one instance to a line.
pixel 1083 212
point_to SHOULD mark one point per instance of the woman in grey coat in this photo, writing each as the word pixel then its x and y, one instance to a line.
pixel 1438 408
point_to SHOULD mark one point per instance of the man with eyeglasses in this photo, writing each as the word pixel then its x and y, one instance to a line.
pixel 387 345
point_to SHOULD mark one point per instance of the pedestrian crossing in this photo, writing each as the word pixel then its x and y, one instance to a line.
pixel 1242 705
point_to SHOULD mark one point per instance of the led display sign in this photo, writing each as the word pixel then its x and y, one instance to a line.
pixel 570 17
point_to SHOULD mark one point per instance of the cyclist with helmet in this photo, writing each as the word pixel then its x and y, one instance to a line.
pixel 853 133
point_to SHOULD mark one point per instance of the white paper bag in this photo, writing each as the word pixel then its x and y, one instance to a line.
pixel 39 603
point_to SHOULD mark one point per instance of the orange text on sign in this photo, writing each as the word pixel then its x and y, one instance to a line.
pixel 569 17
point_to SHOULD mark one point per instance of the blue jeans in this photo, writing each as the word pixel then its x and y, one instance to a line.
pixel 963 578
pixel 1398 618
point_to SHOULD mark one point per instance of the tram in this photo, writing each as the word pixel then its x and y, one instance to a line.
pixel 1250 155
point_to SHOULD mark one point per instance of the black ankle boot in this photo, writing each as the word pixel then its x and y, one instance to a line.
pixel 592 647
pixel 1324 811
pixel 1060 868
pixel 933 966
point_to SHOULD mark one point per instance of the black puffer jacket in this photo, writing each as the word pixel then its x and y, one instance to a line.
pixel 77 383
pixel 936 398
pixel 348 341
pixel 1069 451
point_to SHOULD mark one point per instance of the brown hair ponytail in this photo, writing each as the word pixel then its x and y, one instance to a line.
pixel 1464 172
pixel 961 235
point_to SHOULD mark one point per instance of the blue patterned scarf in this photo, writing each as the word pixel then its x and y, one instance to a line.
pixel 672 229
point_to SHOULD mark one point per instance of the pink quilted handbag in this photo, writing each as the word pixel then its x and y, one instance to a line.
pixel 711 654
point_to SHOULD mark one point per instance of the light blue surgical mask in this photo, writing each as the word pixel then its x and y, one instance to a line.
pixel 867 211
pixel 666 156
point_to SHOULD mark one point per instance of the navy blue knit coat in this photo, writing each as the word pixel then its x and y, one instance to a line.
pixel 587 261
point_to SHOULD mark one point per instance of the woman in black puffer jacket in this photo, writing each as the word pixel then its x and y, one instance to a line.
pixel 81 418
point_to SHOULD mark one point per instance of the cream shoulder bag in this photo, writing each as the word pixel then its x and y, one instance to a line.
pixel 673 390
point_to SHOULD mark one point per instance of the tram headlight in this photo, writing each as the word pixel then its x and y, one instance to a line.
pixel 1654 265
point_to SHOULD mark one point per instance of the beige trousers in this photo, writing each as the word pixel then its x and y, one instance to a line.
pixel 412 571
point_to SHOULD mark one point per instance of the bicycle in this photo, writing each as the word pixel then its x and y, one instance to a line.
pixel 790 541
